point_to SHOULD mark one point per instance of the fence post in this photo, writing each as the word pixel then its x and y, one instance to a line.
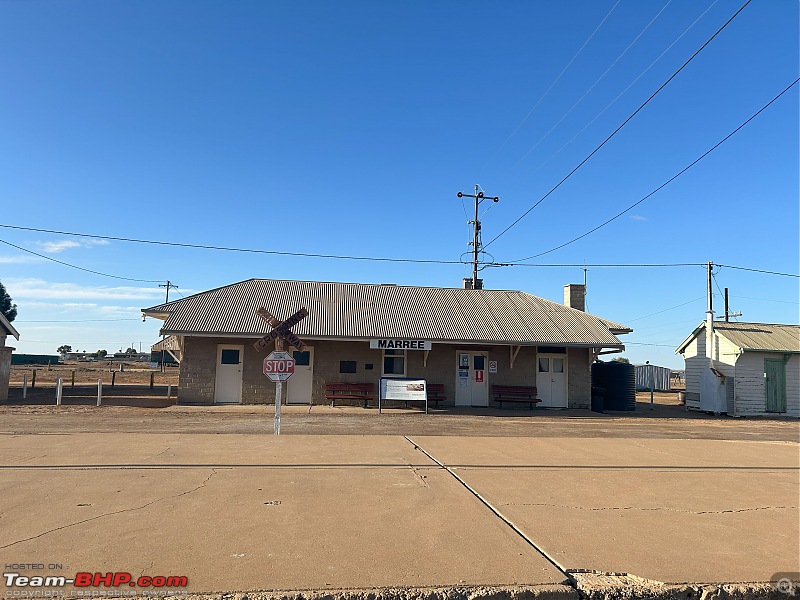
pixel 99 392
pixel 152 375
pixel 73 379
pixel 24 385
pixel 113 377
pixel 169 391
pixel 33 381
pixel 58 392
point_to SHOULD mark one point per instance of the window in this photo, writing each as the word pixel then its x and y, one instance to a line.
pixel 544 365
pixel 480 362
pixel 394 362
pixel 229 357
pixel 302 359
pixel 558 365
pixel 347 366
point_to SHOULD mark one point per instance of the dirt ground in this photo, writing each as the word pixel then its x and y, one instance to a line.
pixel 141 409
pixel 87 373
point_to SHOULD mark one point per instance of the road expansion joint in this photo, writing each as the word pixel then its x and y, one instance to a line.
pixel 652 508
pixel 112 513
pixel 495 511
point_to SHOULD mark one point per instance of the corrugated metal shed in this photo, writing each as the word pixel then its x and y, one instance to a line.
pixel 754 337
pixel 365 311
pixel 658 377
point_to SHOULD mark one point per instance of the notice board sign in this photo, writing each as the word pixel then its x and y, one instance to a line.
pixel 405 389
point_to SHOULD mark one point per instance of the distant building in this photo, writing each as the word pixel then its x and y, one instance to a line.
pixel 462 339
pixel 756 366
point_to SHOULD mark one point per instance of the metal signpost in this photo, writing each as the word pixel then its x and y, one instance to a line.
pixel 279 365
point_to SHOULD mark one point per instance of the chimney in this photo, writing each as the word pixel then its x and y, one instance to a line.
pixel 575 296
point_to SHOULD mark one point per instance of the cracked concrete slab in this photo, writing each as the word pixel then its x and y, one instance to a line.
pixel 257 513
pixel 673 511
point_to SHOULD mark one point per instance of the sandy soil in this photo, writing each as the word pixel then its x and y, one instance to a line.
pixel 87 373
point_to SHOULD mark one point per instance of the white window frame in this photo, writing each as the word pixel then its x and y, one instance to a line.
pixel 394 354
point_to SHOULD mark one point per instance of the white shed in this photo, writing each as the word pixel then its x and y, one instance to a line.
pixel 757 363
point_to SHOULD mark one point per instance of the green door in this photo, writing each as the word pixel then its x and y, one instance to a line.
pixel 775 383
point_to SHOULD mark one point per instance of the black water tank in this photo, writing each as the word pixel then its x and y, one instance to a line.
pixel 598 396
pixel 619 381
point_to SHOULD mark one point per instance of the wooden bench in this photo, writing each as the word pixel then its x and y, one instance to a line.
pixel 515 393
pixel 436 393
pixel 342 390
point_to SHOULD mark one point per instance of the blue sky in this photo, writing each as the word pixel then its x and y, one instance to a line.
pixel 347 128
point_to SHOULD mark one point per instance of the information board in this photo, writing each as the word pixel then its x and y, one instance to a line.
pixel 404 389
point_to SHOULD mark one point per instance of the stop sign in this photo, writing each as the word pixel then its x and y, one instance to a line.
pixel 279 366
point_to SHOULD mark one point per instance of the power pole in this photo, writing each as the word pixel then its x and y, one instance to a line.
pixel 710 317
pixel 728 313
pixel 167 285
pixel 479 197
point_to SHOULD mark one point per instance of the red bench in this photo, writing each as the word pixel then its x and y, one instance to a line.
pixel 342 390
pixel 515 393
pixel 436 393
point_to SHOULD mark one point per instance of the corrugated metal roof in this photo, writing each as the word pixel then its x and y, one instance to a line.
pixel 7 327
pixel 365 311
pixel 754 337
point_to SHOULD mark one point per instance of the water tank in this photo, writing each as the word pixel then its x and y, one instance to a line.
pixel 619 381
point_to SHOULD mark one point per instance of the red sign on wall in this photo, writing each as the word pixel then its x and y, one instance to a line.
pixel 479 376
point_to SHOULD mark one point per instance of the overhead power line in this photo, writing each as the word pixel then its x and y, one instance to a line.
pixel 556 80
pixel 759 270
pixel 668 181
pixel 594 85
pixel 622 93
pixel 78 321
pixel 208 247
pixel 66 264
pixel 582 265
pixel 665 310
pixel 492 264
pixel 625 122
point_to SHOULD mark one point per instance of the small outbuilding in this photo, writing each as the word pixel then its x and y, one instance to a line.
pixel 756 367
pixel 6 329
pixel 462 340
pixel 653 377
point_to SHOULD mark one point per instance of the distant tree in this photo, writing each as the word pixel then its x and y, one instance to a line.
pixel 64 350
pixel 621 359
pixel 101 353
pixel 8 309
pixel 130 351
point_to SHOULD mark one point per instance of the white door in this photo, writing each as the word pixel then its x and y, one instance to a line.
pixel 472 386
pixel 299 384
pixel 551 380
pixel 228 381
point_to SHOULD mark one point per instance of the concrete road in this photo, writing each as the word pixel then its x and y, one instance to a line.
pixel 674 511
pixel 256 512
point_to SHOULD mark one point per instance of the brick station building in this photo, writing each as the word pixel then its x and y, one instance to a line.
pixel 464 339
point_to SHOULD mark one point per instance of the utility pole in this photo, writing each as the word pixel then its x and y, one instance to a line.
pixel 167 285
pixel 476 232
pixel 710 318
pixel 728 313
